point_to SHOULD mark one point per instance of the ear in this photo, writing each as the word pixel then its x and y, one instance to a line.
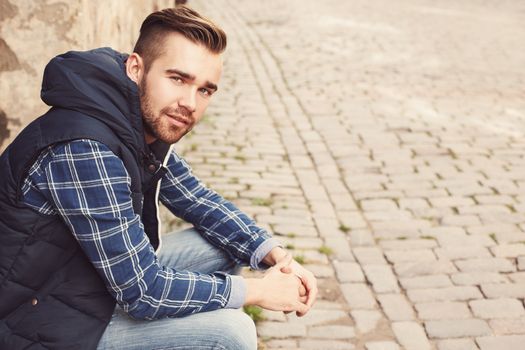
pixel 135 67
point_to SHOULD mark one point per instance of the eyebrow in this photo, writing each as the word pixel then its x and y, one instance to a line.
pixel 191 77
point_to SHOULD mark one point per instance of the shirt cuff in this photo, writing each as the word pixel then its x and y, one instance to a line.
pixel 261 252
pixel 237 293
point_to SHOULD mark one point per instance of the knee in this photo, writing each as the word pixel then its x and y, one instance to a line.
pixel 238 333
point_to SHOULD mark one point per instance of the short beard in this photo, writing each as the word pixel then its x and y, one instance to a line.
pixel 153 124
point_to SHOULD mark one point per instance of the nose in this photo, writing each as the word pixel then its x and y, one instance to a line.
pixel 188 100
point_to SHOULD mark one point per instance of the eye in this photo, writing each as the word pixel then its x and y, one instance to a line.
pixel 177 80
pixel 205 92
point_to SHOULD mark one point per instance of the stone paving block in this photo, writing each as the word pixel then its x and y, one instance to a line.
pixel 407 226
pixel 411 336
pixel 369 255
pixel 414 269
pixel 493 228
pixel 381 345
pixel 503 237
pixel 340 248
pixel 276 330
pixel 419 255
pixel 494 199
pixel 332 332
pixel 508 250
pixel 453 253
pixel 517 277
pixel 366 320
pixel 444 294
pixel 464 240
pixel 387 216
pixel 277 316
pixel 378 204
pixel 477 278
pixel 396 307
pixel 457 328
pixel 503 290
pixel 300 242
pixel 320 270
pixel 281 344
pixel 358 295
pixel 325 344
pixel 407 244
pixel 428 281
pixel 427 193
pixel 318 317
pixel 382 278
pixel 313 256
pixel 413 203
pixel 461 220
pixel 443 310
pixel 352 219
pixel 521 263
pixel 484 208
pixel 360 238
pixel 507 342
pixel 486 265
pixel 505 326
pixel 509 218
pixel 452 201
pixel 348 272
pixel 497 308
pixel 457 344
pixel 296 230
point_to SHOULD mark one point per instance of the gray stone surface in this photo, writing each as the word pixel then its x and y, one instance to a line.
pixel 457 328
pixel 497 308
pixel 508 326
pixel 443 310
pixel 358 296
pixel 332 332
pixel 444 294
pixel 457 344
pixel 411 336
pixel 396 307
pixel 381 345
pixel 508 342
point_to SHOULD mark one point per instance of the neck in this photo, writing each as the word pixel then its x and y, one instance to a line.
pixel 149 138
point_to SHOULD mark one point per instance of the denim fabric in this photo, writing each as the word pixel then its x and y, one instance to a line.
pixel 219 329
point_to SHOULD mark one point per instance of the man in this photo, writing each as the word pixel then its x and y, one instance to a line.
pixel 78 201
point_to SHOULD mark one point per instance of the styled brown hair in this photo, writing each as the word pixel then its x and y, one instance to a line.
pixel 180 19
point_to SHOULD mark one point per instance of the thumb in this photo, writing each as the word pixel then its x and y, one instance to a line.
pixel 284 262
pixel 286 269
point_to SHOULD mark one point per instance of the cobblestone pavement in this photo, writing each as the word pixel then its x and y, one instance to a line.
pixel 383 143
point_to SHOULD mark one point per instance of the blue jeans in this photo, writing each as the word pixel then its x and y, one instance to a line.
pixel 220 329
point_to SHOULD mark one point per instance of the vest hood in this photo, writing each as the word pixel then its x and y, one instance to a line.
pixel 95 83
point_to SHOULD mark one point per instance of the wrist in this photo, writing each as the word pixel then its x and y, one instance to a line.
pixel 274 256
pixel 253 291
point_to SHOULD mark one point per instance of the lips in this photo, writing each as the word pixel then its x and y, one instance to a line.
pixel 179 119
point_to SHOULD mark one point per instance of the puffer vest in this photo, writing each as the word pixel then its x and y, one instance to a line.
pixel 51 297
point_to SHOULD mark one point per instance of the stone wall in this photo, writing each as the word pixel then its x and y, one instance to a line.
pixel 32 32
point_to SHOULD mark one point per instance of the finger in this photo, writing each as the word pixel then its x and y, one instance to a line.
pixel 303 299
pixel 312 292
pixel 302 290
pixel 284 262
pixel 301 309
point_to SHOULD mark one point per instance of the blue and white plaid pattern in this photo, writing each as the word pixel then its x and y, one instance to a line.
pixel 89 187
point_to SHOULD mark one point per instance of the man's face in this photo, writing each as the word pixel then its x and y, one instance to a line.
pixel 176 90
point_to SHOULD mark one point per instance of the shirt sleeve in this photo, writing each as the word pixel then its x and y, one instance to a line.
pixel 90 189
pixel 216 218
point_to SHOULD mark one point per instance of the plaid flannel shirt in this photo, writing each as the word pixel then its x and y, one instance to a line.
pixel 89 188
